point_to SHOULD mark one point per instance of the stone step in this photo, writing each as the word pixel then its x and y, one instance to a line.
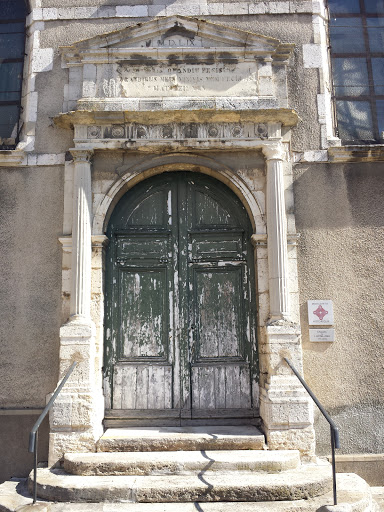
pixel 354 495
pixel 181 438
pixel 302 483
pixel 160 463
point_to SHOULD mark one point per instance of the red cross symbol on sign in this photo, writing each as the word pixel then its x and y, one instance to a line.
pixel 320 312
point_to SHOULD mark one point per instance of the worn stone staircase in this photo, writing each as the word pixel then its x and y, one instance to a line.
pixel 193 469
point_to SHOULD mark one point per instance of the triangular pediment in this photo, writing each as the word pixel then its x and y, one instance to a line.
pixel 176 63
pixel 175 32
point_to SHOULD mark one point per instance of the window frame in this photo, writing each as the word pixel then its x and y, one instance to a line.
pixel 371 97
pixel 14 60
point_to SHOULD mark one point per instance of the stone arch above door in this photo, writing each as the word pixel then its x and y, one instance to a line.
pixel 179 162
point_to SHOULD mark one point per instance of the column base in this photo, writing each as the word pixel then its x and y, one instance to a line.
pixel 65 442
pixel 77 414
pixel 302 439
pixel 285 407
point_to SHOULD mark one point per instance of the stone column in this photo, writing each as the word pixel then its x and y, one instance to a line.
pixel 285 407
pixel 277 233
pixel 76 418
pixel 81 236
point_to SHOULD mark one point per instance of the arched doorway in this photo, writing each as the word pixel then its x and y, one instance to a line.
pixel 180 342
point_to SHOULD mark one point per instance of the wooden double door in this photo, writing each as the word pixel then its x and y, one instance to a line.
pixel 180 343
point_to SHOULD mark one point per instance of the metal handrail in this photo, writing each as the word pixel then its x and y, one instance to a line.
pixel 335 440
pixel 33 435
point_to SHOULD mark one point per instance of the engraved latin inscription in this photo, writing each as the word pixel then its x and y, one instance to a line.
pixel 177 41
pixel 220 79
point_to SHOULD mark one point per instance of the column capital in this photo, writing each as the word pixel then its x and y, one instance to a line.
pixel 274 151
pixel 81 155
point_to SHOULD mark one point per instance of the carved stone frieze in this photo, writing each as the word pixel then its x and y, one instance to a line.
pixel 179 131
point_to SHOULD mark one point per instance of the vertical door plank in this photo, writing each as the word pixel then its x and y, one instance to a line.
pixel 245 387
pixel 117 389
pixel 128 387
pixel 142 387
pixel 220 389
pixel 168 387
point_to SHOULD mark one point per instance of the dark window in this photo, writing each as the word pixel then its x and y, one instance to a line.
pixel 357 50
pixel 12 42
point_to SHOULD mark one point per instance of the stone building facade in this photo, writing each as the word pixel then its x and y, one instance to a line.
pixel 196 141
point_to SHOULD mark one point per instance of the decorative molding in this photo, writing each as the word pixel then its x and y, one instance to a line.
pixel 11 158
pixel 179 131
pixel 151 112
pixel 153 39
pixel 259 240
pixel 66 242
pixel 99 241
pixel 369 153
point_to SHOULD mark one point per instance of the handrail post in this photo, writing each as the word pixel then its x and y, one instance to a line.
pixel 33 435
pixel 333 465
pixel 35 469
pixel 335 441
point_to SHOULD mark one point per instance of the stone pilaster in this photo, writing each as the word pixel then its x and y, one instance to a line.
pixel 277 233
pixel 285 407
pixel 76 417
pixel 81 235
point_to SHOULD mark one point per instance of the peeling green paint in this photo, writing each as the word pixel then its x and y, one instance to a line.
pixel 180 311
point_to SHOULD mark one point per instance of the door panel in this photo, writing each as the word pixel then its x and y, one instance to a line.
pixel 143 324
pixel 221 387
pixel 142 387
pixel 216 246
pixel 142 246
pixel 151 211
pixel 207 211
pixel 179 305
pixel 218 315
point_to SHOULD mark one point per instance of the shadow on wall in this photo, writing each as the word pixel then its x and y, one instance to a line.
pixel 329 196
pixel 14 435
pixel 361 428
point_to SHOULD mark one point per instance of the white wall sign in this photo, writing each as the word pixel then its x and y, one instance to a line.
pixel 320 312
pixel 325 335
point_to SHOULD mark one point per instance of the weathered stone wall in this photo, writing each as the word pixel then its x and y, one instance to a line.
pixel 340 217
pixel 31 209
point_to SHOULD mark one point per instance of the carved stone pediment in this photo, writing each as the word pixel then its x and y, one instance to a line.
pixel 176 63
pixel 174 32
